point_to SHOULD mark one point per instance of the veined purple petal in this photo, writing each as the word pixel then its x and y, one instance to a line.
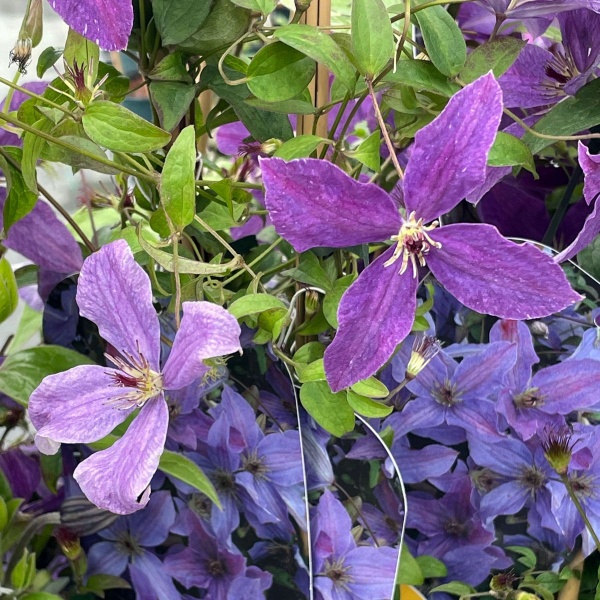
pixel 526 84
pixel 118 478
pixel 586 236
pixel 581 37
pixel 373 571
pixel 507 499
pixel 449 157
pixel 106 557
pixel 206 331
pixel 151 526
pixel 314 203
pixel 106 22
pixel 376 313
pixel 115 293
pixel 590 163
pixel 150 580
pixel 74 407
pixel 493 276
pixel 55 250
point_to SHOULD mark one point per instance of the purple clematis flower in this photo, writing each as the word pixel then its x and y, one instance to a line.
pixel 106 22
pixel 540 77
pixel 343 570
pixel 522 9
pixel 314 203
pixel 86 403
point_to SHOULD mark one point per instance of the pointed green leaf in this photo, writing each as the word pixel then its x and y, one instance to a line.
pixel 368 152
pixel 253 304
pixel 497 56
pixel 299 147
pixel 371 387
pixel 331 411
pixel 372 36
pixel 9 293
pixel 508 151
pixel 262 6
pixel 176 20
pixel 368 407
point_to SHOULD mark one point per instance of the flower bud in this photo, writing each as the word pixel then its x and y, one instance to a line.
pixel 33 23
pixel 68 542
pixel 425 347
pixel 311 303
pixel 540 329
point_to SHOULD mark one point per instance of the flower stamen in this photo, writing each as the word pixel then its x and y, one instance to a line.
pixel 412 243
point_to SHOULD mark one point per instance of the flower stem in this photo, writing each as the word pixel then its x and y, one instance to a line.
pixel 255 261
pixel 384 130
pixel 177 280
pixel 567 483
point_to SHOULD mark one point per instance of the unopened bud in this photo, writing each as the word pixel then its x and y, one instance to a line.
pixel 312 303
pixel 558 449
pixel 33 23
pixel 425 347
pixel 270 146
pixel 519 595
pixel 302 5
pixel 21 54
pixel 68 542
pixel 540 329
pixel 503 582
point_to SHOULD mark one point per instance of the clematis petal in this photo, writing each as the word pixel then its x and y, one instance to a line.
pixel 376 313
pixel 493 276
pixel 314 203
pixel 449 157
pixel 206 331
pixel 106 22
pixel 590 163
pixel 115 293
pixel 74 407
pixel 118 479
pixel 108 558
pixel 150 580
pixel 586 236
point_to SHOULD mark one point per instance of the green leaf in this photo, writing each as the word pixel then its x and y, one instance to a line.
pixel 102 582
pixel 331 411
pixel 177 20
pixel 279 72
pixel 24 571
pixel 47 59
pixel 52 469
pixel 371 387
pixel 443 39
pixel 177 182
pixel 3 514
pixel 185 265
pixel 189 472
pixel 456 588
pixel 171 100
pixel 253 304
pixel 300 105
pixel 54 153
pixel 315 371
pixel 497 56
pixel 263 6
pixel 321 47
pixel 310 271
pixel 299 147
pixel 171 68
pixel 332 299
pixel 19 200
pixel 32 150
pixel 410 572
pixel 368 152
pixel 589 258
pixel 22 372
pixel 367 407
pixel 508 151
pixel 422 76
pixel 309 352
pixel 116 84
pixel 572 115
pixel 41 596
pixel 80 51
pixel 225 23
pixel 372 36
pixel 528 557
pixel 9 293
pixel 431 567
pixel 117 128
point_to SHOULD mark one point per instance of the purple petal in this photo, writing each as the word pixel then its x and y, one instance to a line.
pixel 230 137
pixel 418 465
pixel 331 525
pixel 376 313
pixel 590 163
pixel 493 276
pixel 118 479
pixel 526 84
pixel 74 407
pixel 55 250
pixel 108 558
pixel 206 331
pixel 581 37
pixel 586 236
pixel 115 293
pixel 507 499
pixel 106 22
pixel 449 157
pixel 568 386
pixel 150 527
pixel 373 571
pixel 314 203
pixel 150 580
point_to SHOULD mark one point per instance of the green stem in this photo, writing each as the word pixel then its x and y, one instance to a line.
pixel 562 206
pixel 565 479
pixel 177 281
pixel 14 87
pixel 11 92
pixel 428 5
pixel 54 203
pixel 101 159
pixel 155 284
pixel 255 261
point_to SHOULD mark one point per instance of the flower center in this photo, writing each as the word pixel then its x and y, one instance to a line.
pixel 216 567
pixel 136 375
pixel 456 529
pixel 338 573
pixel 533 479
pixel 412 244
pixel 255 466
pixel 446 394
pixel 530 398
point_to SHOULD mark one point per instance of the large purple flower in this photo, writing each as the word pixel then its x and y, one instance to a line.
pixel 86 403
pixel 522 9
pixel 314 203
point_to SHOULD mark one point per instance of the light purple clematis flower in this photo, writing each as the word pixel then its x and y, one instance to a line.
pixel 106 22
pixel 522 9
pixel 314 203
pixel 86 403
